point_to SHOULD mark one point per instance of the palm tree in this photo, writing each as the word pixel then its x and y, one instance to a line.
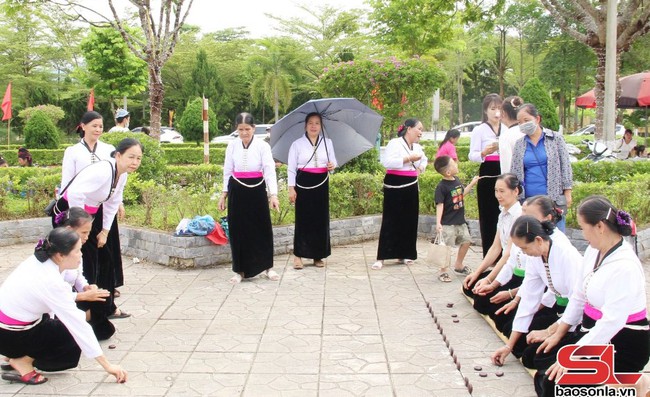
pixel 273 71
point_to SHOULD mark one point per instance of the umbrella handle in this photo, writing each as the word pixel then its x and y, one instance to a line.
pixel 327 153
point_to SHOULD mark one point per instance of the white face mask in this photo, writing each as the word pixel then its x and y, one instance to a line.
pixel 528 127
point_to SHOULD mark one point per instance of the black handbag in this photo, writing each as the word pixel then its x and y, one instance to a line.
pixel 49 210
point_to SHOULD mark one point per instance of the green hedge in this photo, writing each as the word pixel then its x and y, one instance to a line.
pixel 188 155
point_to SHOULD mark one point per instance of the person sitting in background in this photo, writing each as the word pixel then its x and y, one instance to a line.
pixel 24 157
pixel 3 162
pixel 639 152
pixel 625 145
pixel 122 118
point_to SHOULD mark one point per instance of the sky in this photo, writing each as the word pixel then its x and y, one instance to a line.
pixel 213 15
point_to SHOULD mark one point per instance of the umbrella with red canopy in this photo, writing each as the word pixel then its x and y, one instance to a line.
pixel 635 93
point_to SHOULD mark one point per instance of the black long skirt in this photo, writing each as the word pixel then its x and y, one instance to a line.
pixel 49 343
pixel 99 268
pixel 399 221
pixel 311 238
pixel 249 223
pixel 488 206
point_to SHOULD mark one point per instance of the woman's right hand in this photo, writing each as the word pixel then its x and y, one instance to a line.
pixel 93 295
pixel 537 336
pixel 483 287
pixel 470 280
pixel 292 194
pixel 491 148
pixel 499 356
pixel 118 372
pixel 222 203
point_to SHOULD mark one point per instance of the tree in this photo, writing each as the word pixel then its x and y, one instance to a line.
pixel 586 22
pixel 192 121
pixel 534 92
pixel 40 132
pixel 395 88
pixel 114 71
pixel 205 81
pixel 419 26
pixel 327 33
pixel 273 70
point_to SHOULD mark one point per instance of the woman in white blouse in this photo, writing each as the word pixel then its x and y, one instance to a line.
pixel 28 336
pixel 311 158
pixel 483 148
pixel 404 160
pixel 248 171
pixel 609 300
pixel 98 189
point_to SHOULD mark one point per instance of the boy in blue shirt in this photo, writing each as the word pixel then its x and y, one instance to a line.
pixel 450 213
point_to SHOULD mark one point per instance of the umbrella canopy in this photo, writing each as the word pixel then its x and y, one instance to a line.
pixel 635 93
pixel 352 126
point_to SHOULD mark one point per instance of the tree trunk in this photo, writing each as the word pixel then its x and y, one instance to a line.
pixel 460 99
pixel 276 104
pixel 599 92
pixel 156 96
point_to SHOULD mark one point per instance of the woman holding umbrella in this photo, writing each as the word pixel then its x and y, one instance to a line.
pixel 404 160
pixel 311 157
pixel 247 172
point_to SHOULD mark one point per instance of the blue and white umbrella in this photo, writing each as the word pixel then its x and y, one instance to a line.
pixel 352 126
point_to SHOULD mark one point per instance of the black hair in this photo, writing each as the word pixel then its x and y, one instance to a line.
pixel 487 101
pixel 408 123
pixel 59 241
pixel 126 144
pixel 638 149
pixel 312 114
pixel 85 119
pixel 244 118
pixel 528 108
pixel 121 119
pixel 510 106
pixel 511 181
pixel 452 133
pixel 528 228
pixel 2 161
pixel 75 217
pixel 547 207
pixel 441 164
pixel 146 130
pixel 595 209
pixel 628 130
pixel 24 154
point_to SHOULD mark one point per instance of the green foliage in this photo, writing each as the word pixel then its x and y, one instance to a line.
pixel 55 113
pixel 40 132
pixel 39 191
pixel 367 163
pixel 113 69
pixel 204 178
pixel 608 171
pixel 393 87
pixel 153 159
pixel 191 123
pixel 193 155
pixel 534 92
pixel 353 194
pixel 206 82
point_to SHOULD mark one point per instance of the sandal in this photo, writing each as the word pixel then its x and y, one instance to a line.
pixel 297 264
pixel 117 293
pixel 272 275
pixel 6 366
pixel 122 314
pixel 319 263
pixel 464 271
pixel 444 277
pixel 377 265
pixel 408 261
pixel 30 378
pixel 236 279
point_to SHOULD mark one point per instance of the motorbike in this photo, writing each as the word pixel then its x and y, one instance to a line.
pixel 573 151
pixel 598 151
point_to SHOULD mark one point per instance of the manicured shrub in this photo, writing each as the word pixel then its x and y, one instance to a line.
pixel 40 132
pixel 153 159
pixel 534 92
pixel 191 123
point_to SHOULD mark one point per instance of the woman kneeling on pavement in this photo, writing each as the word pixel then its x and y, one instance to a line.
pixel 28 336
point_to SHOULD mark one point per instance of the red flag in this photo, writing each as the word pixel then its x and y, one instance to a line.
pixel 91 100
pixel 6 104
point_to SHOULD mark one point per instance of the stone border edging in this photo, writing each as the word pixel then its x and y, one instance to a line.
pixel 191 252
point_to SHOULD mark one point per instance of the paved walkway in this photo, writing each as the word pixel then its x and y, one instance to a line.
pixel 344 330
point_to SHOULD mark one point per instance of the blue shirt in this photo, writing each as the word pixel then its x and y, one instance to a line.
pixel 535 168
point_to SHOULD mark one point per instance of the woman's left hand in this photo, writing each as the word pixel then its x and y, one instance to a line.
pixel 330 166
pixel 500 297
pixel 121 212
pixel 569 199
pixel 275 203
pixel 555 372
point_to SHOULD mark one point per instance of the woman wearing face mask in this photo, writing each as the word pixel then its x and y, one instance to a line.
pixel 484 149
pixel 541 161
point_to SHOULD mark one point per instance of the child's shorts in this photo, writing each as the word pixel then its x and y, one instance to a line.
pixel 456 234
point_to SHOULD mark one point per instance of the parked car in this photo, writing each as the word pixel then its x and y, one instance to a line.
pixel 167 134
pixel 466 128
pixel 261 131
pixel 591 128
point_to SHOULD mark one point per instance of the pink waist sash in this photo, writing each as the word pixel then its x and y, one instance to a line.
pixel 596 314
pixel 492 157
pixel 402 173
pixel 89 209
pixel 10 321
pixel 248 174
pixel 319 170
